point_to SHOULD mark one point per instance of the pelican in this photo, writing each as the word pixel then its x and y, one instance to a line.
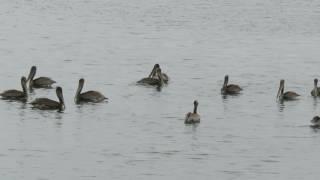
pixel 316 90
pixel 315 122
pixel 16 94
pixel 229 88
pixel 289 95
pixel 48 104
pixel 153 81
pixel 40 82
pixel 192 118
pixel 89 96
pixel 165 77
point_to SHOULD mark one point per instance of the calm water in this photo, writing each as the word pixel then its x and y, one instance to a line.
pixel 140 133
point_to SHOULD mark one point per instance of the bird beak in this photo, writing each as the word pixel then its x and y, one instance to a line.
pixel 280 88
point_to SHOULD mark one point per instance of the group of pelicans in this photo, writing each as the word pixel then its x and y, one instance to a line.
pixel 156 78
pixel 45 103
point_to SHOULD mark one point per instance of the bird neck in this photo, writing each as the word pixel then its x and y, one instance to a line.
pixel 225 83
pixel 315 89
pixel 80 86
pixel 61 103
pixel 31 75
pixel 160 79
pixel 24 89
pixel 195 109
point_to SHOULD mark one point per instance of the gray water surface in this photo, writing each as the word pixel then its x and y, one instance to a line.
pixel 139 133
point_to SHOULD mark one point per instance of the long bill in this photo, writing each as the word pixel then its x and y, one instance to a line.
pixel 280 90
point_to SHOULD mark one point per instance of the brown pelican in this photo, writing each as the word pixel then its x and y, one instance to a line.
pixel 316 90
pixel 48 104
pixel 89 96
pixel 289 95
pixel 153 81
pixel 229 88
pixel 40 82
pixel 194 117
pixel 16 94
pixel 153 74
pixel 315 122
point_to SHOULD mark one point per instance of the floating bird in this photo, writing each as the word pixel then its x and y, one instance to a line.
pixel 153 74
pixel 89 96
pixel 153 81
pixel 48 104
pixel 40 82
pixel 16 94
pixel 192 118
pixel 229 88
pixel 315 122
pixel 289 95
pixel 316 90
